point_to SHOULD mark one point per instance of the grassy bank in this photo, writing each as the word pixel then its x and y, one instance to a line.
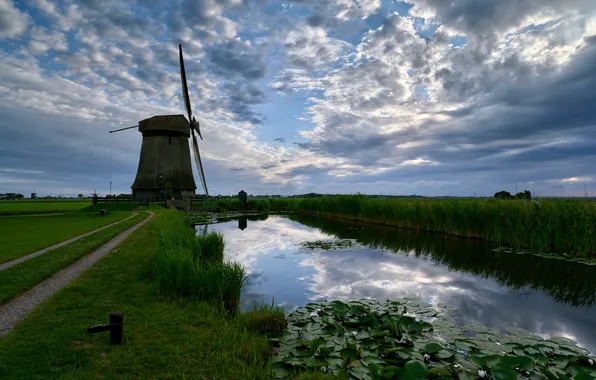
pixel 30 233
pixel 19 278
pixel 40 206
pixel 561 226
pixel 187 265
pixel 165 337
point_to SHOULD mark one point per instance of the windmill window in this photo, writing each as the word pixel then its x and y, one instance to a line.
pixel 170 139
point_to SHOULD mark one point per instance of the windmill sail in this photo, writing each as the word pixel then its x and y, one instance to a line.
pixel 195 150
pixel 193 124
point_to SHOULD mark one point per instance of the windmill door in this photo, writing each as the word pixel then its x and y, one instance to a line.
pixel 168 193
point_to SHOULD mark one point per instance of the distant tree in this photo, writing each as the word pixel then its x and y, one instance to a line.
pixel 503 195
pixel 526 194
pixel 80 196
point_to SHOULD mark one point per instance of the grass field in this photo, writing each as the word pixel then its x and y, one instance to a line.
pixel 26 234
pixel 19 278
pixel 40 206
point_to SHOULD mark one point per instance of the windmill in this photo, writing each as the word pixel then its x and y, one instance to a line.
pixel 165 168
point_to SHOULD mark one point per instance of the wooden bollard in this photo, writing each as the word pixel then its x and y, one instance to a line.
pixel 115 327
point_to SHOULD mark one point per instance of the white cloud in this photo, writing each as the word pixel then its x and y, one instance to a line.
pixel 13 22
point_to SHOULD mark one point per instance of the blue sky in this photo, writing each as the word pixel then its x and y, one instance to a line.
pixel 334 96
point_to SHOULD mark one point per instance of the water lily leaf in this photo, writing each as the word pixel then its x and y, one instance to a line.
pixel 467 375
pixel 464 344
pixel 334 362
pixel 508 347
pixel 531 351
pixel 476 328
pixel 538 376
pixel 517 331
pixel 438 372
pixel 583 376
pixel 561 361
pixel 293 361
pixel 349 353
pixel 522 362
pixel 431 348
pixel 414 369
pixel 519 351
pixel 370 359
pixel 448 307
pixel 479 361
pixel 560 340
pixel 503 372
pixel 492 360
pixel 357 374
pixel 445 354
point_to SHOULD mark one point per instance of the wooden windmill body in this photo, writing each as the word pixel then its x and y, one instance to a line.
pixel 165 168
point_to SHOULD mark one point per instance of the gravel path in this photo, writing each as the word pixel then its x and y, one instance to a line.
pixel 17 309
pixel 62 243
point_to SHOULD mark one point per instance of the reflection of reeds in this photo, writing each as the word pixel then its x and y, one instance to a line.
pixel 563 226
pixel 192 266
pixel 566 282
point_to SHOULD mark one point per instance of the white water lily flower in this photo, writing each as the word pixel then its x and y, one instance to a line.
pixel 498 343
pixel 416 319
pixel 456 366
pixel 426 358
pixel 346 335
pixel 314 314
pixel 481 373
pixel 354 333
pixel 591 361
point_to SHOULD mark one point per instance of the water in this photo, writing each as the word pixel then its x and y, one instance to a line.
pixel 495 289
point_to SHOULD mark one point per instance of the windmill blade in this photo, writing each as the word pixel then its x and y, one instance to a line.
pixel 195 149
pixel 185 87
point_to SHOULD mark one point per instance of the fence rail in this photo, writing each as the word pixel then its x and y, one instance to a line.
pixel 196 201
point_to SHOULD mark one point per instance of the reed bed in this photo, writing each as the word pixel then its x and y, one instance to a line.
pixel 550 226
pixel 186 265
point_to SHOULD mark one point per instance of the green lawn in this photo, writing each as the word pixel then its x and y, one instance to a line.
pixel 26 234
pixel 40 206
pixel 163 339
pixel 19 278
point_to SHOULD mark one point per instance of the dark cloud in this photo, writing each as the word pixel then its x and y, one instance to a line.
pixel 481 17
pixel 242 96
pixel 280 139
pixel 234 58
pixel 237 169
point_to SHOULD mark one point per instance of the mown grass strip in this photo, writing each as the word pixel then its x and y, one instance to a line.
pixel 29 234
pixel 21 277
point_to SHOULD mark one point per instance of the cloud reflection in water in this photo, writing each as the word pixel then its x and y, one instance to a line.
pixel 280 269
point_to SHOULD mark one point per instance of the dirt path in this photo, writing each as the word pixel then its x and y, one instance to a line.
pixel 21 259
pixel 17 309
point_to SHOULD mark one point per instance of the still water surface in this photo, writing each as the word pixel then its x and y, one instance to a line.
pixel 494 289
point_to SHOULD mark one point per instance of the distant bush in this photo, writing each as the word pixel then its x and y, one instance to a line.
pixel 503 195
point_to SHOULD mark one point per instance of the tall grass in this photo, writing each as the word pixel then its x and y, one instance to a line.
pixel 186 265
pixel 562 226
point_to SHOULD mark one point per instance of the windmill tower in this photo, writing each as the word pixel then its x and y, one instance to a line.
pixel 165 169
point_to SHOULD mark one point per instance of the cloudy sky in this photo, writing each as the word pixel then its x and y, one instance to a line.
pixel 336 96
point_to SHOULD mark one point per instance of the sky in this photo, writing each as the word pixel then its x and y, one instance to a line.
pixel 427 97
